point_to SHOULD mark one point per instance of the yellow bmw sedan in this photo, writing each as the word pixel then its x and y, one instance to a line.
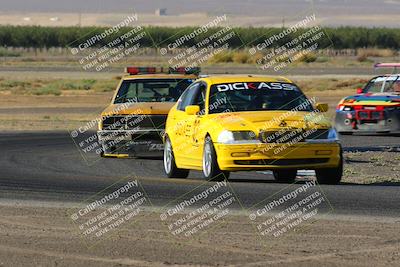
pixel 228 123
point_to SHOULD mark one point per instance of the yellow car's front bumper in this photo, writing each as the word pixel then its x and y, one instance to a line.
pixel 237 157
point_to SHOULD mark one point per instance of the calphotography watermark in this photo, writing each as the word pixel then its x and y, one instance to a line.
pixel 199 210
pixel 86 137
pixel 117 132
pixel 110 209
pixel 288 209
pixel 182 145
pixel 297 43
pixel 282 134
pixel 100 50
pixel 201 45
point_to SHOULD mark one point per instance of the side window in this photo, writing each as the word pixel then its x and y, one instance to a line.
pixel 200 98
pixel 122 91
pixel 187 97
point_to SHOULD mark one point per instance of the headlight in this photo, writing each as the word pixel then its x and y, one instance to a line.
pixel 235 137
pixel 225 137
pixel 333 135
pixel 330 135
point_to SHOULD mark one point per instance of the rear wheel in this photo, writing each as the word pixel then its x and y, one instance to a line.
pixel 169 163
pixel 331 175
pixel 285 176
pixel 211 170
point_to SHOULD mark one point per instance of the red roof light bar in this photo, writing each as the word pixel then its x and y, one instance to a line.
pixel 140 70
pixel 154 70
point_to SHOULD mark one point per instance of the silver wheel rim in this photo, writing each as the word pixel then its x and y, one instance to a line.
pixel 207 160
pixel 167 157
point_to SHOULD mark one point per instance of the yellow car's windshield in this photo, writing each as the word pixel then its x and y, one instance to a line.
pixel 256 96
pixel 151 90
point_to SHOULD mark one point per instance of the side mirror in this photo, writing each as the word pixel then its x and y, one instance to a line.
pixel 359 90
pixel 192 110
pixel 322 107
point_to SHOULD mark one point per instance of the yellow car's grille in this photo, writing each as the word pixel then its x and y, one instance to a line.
pixel 294 135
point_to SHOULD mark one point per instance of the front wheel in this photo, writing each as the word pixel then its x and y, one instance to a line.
pixel 330 175
pixel 169 162
pixel 211 170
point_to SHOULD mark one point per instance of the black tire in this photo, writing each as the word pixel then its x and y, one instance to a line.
pixel 211 170
pixel 169 163
pixel 331 175
pixel 285 176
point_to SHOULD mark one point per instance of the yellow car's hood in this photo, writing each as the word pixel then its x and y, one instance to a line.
pixel 147 108
pixel 266 120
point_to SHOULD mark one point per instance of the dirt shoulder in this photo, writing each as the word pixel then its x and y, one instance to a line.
pixel 32 235
pixel 40 113
pixel 372 167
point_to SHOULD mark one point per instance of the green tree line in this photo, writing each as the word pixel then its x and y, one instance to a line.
pixel 339 38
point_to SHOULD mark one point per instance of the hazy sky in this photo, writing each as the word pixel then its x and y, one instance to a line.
pixel 244 7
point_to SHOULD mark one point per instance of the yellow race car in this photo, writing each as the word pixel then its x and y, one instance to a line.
pixel 133 123
pixel 231 123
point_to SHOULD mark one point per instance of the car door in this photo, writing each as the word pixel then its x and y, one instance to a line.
pixel 197 130
pixel 183 129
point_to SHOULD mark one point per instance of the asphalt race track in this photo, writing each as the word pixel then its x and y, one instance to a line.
pixel 48 166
